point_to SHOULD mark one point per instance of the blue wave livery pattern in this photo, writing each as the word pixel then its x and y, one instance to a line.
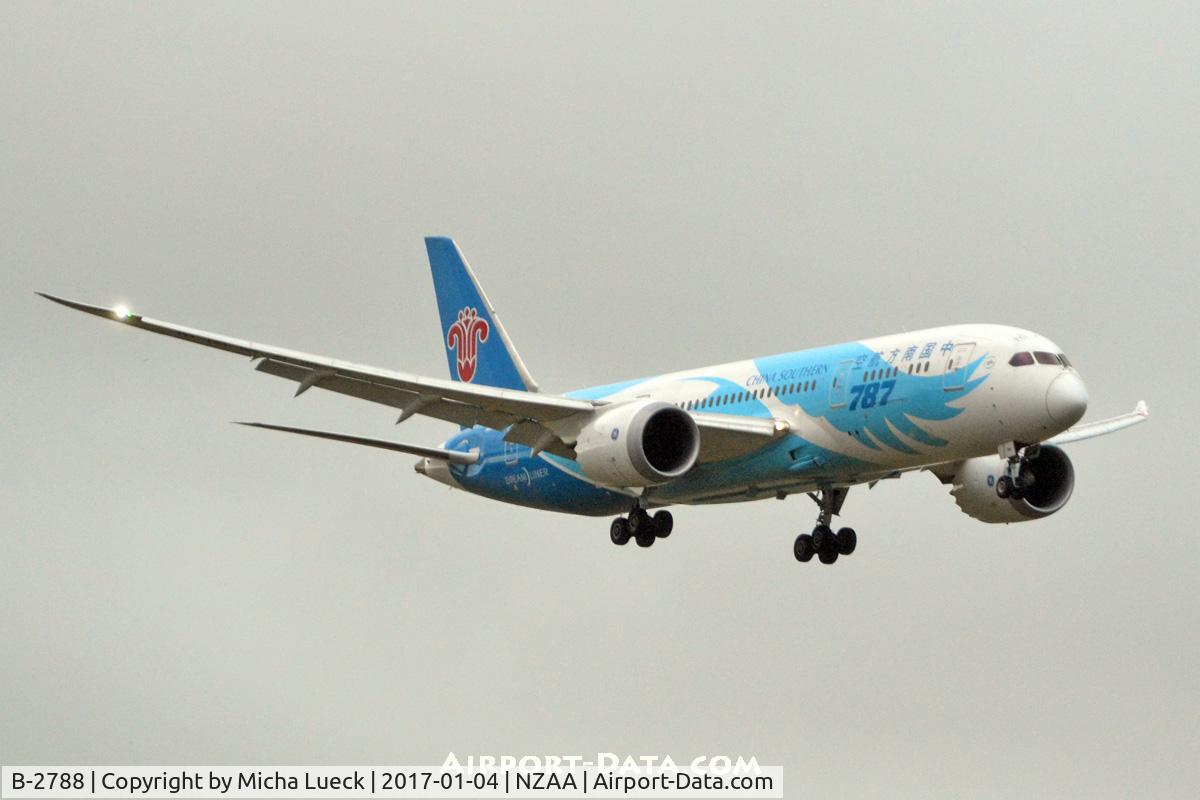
pixel 511 473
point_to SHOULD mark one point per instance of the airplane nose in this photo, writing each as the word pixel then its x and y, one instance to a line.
pixel 1066 399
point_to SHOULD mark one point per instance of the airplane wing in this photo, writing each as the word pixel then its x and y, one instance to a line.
pixel 533 415
pixel 1088 430
pixel 727 436
pixel 462 403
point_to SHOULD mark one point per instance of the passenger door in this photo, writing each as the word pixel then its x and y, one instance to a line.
pixel 956 367
pixel 838 389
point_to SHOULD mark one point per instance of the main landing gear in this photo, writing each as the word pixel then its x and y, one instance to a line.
pixel 1016 481
pixel 823 542
pixel 641 527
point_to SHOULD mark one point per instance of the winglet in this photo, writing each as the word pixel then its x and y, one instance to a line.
pixel 120 313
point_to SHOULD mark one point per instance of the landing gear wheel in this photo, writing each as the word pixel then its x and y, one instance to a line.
pixel 1020 486
pixel 803 549
pixel 619 532
pixel 663 524
pixel 1004 487
pixel 847 540
pixel 823 542
pixel 639 523
pixel 823 539
pixel 644 539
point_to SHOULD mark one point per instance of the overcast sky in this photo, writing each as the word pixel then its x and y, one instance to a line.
pixel 640 188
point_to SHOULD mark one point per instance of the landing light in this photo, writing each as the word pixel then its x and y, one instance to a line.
pixel 122 312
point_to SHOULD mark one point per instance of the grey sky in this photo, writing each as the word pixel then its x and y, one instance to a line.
pixel 640 188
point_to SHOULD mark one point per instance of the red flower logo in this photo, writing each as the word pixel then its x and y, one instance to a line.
pixel 463 338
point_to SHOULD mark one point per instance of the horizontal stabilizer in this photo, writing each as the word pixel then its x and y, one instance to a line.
pixel 1090 429
pixel 450 456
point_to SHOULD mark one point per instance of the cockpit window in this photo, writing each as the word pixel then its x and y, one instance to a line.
pixel 1046 358
pixel 1063 358
pixel 1021 359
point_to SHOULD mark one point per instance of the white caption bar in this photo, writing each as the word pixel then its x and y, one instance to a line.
pixel 385 782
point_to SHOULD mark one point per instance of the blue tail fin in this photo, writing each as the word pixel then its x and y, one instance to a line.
pixel 478 349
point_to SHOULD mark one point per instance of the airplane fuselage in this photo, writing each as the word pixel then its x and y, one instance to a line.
pixel 852 412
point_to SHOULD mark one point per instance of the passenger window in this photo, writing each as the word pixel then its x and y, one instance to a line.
pixel 1021 360
pixel 1046 358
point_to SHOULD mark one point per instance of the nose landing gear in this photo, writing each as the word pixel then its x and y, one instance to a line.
pixel 1016 481
pixel 823 542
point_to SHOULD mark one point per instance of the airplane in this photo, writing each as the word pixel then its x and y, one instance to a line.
pixel 985 408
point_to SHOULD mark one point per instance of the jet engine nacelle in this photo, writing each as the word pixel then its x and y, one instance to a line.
pixel 1050 476
pixel 638 444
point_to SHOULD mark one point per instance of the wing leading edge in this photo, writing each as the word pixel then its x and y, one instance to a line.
pixel 1099 428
